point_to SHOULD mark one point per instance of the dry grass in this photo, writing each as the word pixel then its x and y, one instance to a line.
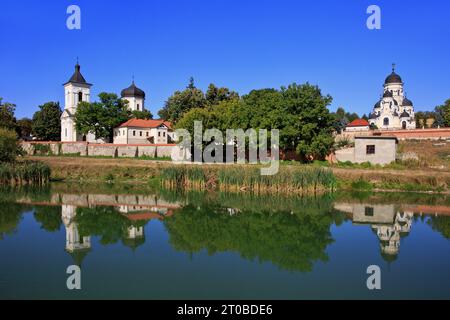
pixel 432 154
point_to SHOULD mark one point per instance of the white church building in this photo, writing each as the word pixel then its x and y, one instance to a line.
pixel 77 90
pixel 394 110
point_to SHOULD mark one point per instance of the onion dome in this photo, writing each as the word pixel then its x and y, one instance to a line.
pixel 387 94
pixel 133 92
pixel 404 114
pixel 393 77
pixel 407 102
pixel 372 116
pixel 377 105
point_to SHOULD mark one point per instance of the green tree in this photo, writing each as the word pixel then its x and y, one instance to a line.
pixel 214 95
pixel 290 239
pixel 442 114
pixel 7 118
pixel 145 115
pixel 342 118
pixel 49 217
pixel 9 145
pixel 299 111
pixel 106 222
pixel 47 122
pixel 100 118
pixel 181 102
pixel 24 127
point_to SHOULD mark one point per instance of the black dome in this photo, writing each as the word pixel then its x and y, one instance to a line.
pixel 407 102
pixel 377 105
pixel 404 114
pixel 393 78
pixel 387 94
pixel 133 92
pixel 373 116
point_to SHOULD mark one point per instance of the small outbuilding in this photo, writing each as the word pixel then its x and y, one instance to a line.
pixel 375 149
pixel 358 125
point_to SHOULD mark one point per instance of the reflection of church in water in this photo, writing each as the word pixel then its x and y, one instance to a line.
pixel 388 222
pixel 78 246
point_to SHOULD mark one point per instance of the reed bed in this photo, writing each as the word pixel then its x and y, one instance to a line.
pixel 24 173
pixel 298 180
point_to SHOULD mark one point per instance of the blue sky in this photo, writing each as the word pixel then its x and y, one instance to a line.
pixel 243 45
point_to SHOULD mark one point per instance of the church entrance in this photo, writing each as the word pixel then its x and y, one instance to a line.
pixel 404 125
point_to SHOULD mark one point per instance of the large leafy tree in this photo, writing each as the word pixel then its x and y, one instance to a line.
pixel 442 114
pixel 47 122
pixel 24 127
pixel 308 120
pixel 181 102
pixel 9 145
pixel 214 95
pixel 299 111
pixel 100 118
pixel 7 118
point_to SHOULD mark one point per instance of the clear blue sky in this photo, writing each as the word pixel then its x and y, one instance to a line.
pixel 242 44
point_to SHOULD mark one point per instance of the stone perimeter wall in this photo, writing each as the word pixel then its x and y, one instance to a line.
pixel 415 134
pixel 91 149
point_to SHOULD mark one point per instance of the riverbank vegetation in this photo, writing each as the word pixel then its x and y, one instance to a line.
pixel 304 179
pixel 19 172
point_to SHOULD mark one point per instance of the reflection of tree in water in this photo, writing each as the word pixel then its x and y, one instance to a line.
pixel 291 240
pixel 441 224
pixel 10 216
pixel 106 222
pixel 49 217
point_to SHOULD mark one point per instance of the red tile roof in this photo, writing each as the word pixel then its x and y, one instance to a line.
pixel 358 123
pixel 140 123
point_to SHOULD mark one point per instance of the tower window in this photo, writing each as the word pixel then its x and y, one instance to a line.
pixel 80 96
pixel 386 121
pixel 138 106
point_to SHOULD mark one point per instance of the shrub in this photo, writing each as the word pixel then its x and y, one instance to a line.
pixel 9 145
pixel 362 185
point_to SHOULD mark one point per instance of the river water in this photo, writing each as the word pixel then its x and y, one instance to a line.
pixel 158 244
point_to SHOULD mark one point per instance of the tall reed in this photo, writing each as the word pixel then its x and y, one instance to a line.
pixel 302 179
pixel 24 173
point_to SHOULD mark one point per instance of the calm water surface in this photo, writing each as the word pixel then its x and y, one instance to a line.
pixel 168 245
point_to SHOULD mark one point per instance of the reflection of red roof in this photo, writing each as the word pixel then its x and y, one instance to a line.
pixel 148 216
pixel 140 123
pixel 358 123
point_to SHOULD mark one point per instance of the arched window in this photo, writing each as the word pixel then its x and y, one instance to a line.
pixel 138 107
pixel 404 125
pixel 80 96
pixel 386 121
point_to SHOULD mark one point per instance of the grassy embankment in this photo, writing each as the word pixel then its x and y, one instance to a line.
pixel 242 178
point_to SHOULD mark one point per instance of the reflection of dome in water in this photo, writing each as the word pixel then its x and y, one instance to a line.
pixel 389 257
pixel 133 243
pixel 78 255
